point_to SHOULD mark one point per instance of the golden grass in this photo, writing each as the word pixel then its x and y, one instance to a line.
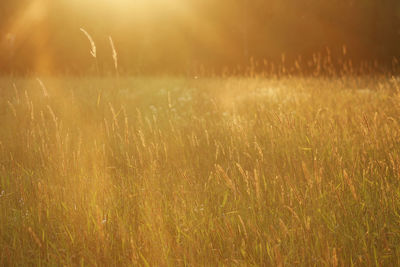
pixel 176 171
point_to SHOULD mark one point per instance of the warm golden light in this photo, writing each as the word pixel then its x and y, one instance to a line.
pixel 32 18
pixel 150 7
pixel 177 34
pixel 199 132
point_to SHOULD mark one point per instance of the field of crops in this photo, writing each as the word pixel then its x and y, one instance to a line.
pixel 171 171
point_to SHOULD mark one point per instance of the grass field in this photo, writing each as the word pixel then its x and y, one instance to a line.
pixel 200 172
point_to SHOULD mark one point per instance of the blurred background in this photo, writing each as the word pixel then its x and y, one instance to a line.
pixel 180 36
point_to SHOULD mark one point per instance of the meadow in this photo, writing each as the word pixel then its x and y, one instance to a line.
pixel 200 171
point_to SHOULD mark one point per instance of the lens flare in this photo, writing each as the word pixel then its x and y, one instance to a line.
pixel 29 26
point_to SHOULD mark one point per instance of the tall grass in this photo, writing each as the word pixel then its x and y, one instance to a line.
pixel 176 171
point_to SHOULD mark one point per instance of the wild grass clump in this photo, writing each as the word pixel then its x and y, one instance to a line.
pixel 175 171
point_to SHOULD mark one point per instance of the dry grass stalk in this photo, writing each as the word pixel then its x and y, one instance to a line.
pixel 334 258
pixel 350 184
pixel 114 53
pixel 44 89
pixel 228 180
pixel 53 116
pixel 245 176
pixel 257 185
pixel 14 111
pixel 93 50
pixel 35 237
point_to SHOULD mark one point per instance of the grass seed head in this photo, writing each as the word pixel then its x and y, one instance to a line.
pixel 93 50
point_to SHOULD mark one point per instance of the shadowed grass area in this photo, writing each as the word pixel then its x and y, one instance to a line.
pixel 179 171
